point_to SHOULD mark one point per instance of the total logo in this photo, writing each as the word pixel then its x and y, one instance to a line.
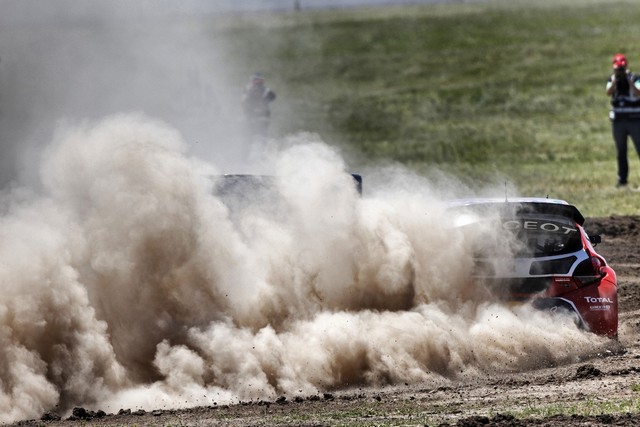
pixel 593 299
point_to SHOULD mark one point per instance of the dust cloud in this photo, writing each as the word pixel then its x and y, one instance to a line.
pixel 129 284
pixel 73 60
pixel 126 281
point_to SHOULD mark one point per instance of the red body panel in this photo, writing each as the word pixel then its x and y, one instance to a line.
pixel 596 303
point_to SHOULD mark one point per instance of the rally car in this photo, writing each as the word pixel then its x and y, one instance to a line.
pixel 536 250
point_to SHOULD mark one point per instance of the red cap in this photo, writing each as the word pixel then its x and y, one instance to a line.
pixel 619 60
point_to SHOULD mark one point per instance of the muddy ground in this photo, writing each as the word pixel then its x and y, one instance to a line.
pixel 605 386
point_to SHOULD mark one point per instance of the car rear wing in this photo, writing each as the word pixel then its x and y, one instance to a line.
pixel 524 206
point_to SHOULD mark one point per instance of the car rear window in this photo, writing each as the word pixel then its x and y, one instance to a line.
pixel 513 233
pixel 543 235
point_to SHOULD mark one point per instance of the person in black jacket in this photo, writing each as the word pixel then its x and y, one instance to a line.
pixel 255 105
pixel 623 87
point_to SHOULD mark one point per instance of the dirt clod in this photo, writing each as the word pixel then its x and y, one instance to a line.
pixel 587 371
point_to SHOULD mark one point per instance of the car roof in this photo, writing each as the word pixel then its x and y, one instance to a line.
pixel 525 204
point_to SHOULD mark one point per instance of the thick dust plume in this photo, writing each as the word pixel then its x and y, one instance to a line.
pixel 130 284
pixel 68 59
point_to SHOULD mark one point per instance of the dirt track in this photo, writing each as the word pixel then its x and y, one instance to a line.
pixel 608 382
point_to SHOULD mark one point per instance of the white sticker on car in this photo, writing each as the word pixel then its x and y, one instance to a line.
pixel 549 227
pixel 594 299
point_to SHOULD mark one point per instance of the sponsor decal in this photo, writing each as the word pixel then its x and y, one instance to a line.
pixel 549 227
pixel 599 307
pixel 594 299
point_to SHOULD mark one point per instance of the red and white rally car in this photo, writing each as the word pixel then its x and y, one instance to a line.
pixel 536 249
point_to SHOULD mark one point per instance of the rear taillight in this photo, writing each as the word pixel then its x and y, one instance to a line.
pixel 598 266
pixel 589 271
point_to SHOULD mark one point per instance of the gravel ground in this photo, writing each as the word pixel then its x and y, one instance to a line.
pixel 605 385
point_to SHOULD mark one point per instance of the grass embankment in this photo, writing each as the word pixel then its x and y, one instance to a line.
pixel 478 90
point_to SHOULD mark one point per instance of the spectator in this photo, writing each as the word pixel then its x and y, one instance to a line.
pixel 623 87
pixel 255 104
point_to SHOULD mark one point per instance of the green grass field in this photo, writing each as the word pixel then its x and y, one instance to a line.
pixel 484 90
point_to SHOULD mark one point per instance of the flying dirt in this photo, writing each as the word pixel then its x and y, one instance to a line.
pixel 127 283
